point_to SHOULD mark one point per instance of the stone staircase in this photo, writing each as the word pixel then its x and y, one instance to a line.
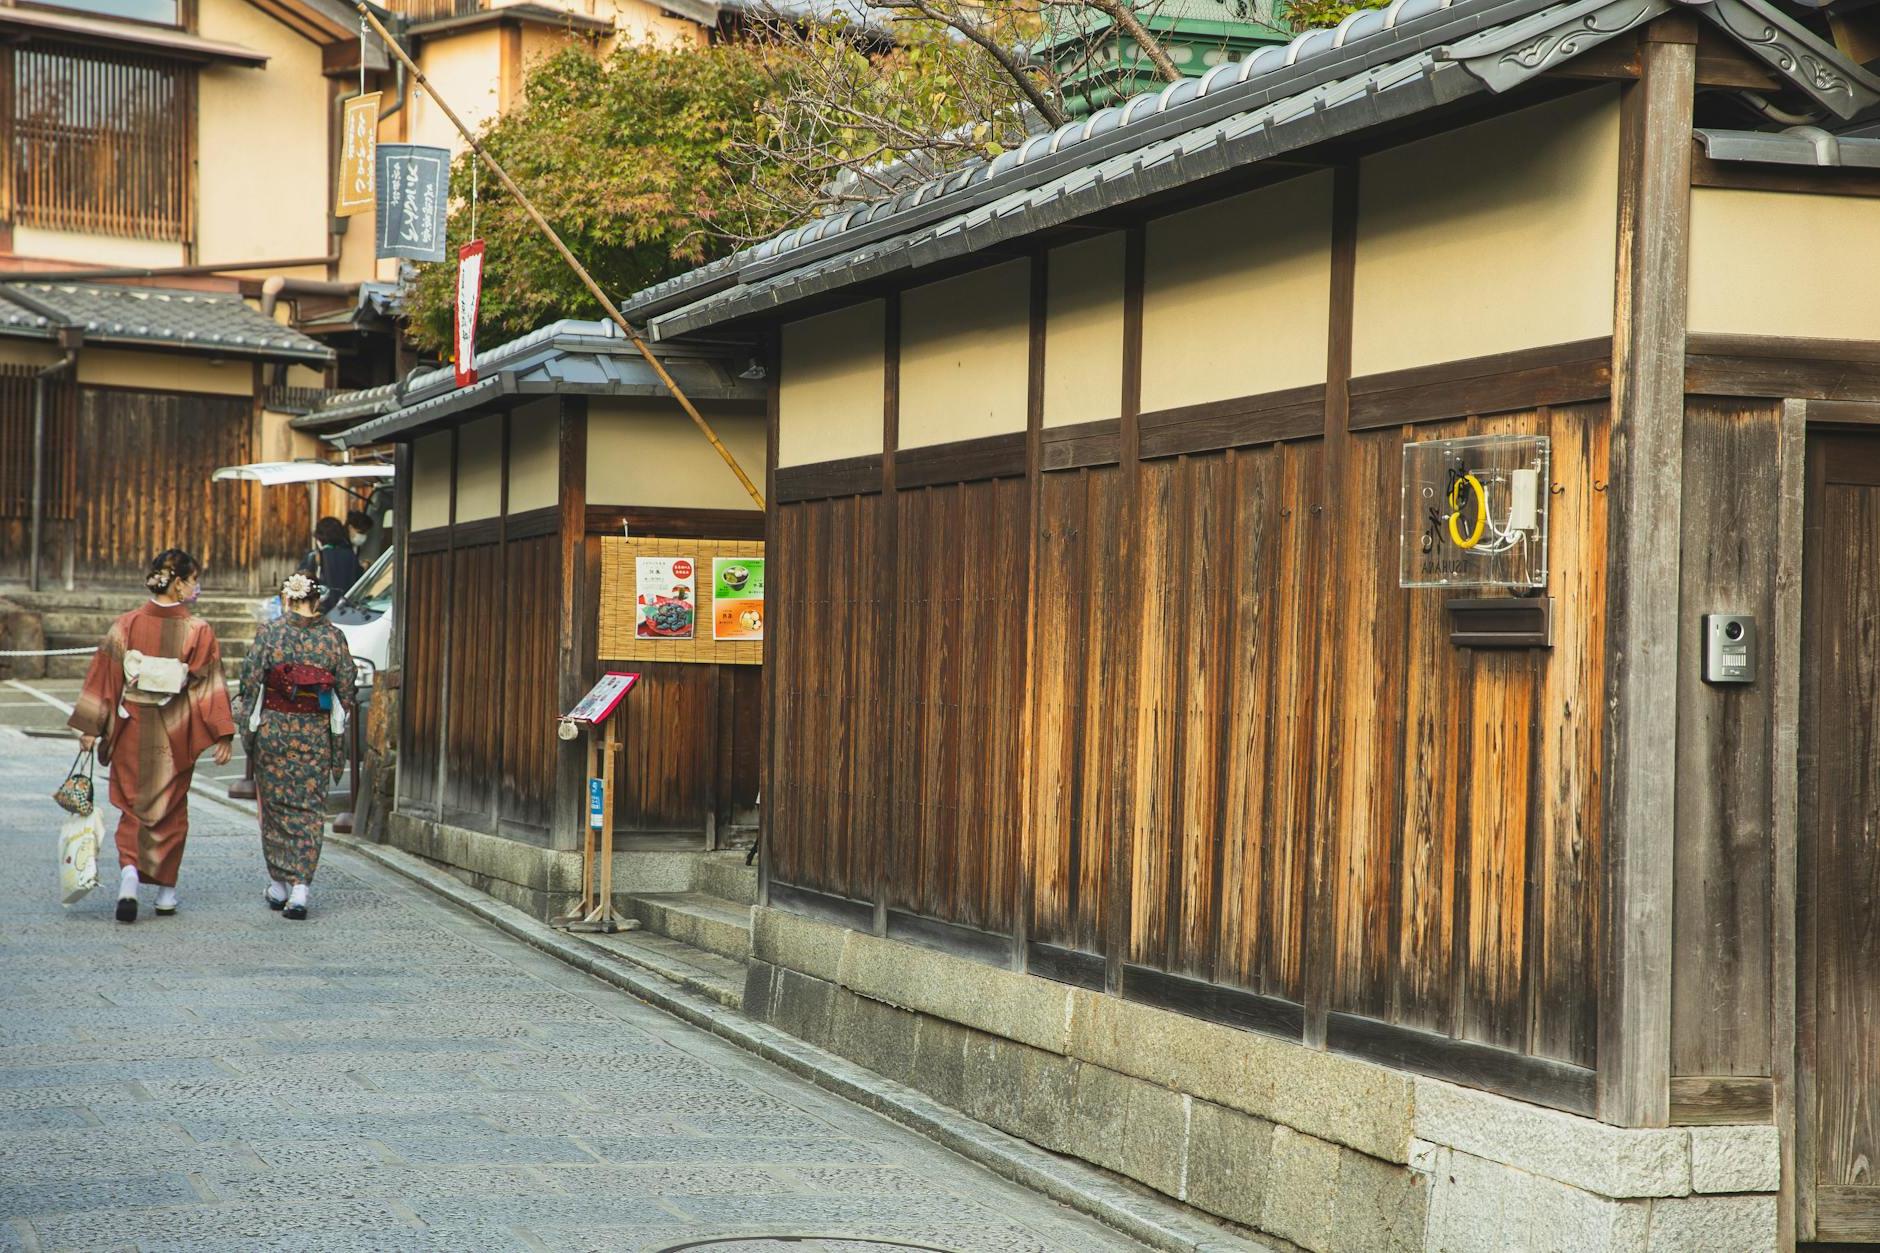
pixel 694 911
pixel 79 620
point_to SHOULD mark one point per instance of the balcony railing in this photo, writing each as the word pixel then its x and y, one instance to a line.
pixel 432 10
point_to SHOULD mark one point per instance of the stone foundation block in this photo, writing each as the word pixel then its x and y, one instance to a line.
pixel 1229 1156
pixel 875 1035
pixel 1482 1205
pixel 787 939
pixel 1714 1224
pixel 1377 1206
pixel 999 1002
pixel 1300 1185
pixel 940 1060
pixel 803 1006
pixel 1736 1159
pixel 1612 1161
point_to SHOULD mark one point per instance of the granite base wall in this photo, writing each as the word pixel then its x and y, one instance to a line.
pixel 540 881
pixel 1328 1152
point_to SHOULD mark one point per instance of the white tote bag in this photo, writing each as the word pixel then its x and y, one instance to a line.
pixel 78 856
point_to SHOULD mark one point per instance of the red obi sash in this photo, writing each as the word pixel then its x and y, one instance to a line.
pixel 296 688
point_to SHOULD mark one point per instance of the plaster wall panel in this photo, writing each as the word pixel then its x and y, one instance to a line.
pixel 1237 295
pixel 480 469
pixel 830 402
pixel 430 481
pixel 1083 332
pixel 965 344
pixel 1784 263
pixel 534 456
pixel 647 453
pixel 1489 238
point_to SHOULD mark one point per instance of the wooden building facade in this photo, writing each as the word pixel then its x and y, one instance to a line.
pixel 1090 659
pixel 507 489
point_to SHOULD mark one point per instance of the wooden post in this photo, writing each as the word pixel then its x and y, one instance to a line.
pixel 1034 522
pixel 572 630
pixel 766 749
pixel 1118 892
pixel 610 752
pixel 1326 823
pixel 1646 477
pixel 888 584
pixel 1785 679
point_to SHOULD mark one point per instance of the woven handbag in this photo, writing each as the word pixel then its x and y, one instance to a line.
pixel 75 794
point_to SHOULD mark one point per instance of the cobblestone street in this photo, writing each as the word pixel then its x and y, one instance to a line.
pixel 393 1074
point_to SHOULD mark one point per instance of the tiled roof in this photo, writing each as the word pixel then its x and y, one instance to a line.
pixel 1376 65
pixel 221 323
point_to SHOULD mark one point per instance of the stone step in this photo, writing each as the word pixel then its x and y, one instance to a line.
pixel 708 974
pixel 698 919
pixel 725 875
pixel 93 623
pixel 116 602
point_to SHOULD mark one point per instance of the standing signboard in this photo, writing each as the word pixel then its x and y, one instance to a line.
pixel 413 201
pixel 358 145
pixel 469 296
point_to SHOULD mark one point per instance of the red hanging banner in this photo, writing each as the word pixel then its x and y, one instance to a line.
pixel 469 296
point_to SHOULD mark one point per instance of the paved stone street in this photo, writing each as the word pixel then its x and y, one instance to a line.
pixel 395 1075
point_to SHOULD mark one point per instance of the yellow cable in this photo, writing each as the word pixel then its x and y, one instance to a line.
pixel 1481 511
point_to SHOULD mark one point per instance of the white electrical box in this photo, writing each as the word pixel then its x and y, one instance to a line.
pixel 1475 512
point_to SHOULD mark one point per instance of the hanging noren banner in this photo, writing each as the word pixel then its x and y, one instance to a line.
pixel 357 147
pixel 469 295
pixel 413 199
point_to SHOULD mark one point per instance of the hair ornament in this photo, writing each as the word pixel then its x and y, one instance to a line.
pixel 299 587
pixel 159 580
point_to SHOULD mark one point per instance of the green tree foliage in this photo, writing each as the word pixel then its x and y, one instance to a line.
pixel 1312 14
pixel 629 160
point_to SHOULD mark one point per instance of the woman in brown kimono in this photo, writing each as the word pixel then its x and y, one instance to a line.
pixel 297 686
pixel 150 718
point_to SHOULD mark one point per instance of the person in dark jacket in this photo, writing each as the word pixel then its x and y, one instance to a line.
pixel 334 565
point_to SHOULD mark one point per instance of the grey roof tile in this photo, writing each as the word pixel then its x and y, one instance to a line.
pixel 212 322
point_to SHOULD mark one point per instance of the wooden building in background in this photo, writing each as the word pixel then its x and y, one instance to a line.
pixel 1154 820
pixel 507 490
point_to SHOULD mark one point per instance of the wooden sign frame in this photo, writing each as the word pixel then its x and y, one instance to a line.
pixel 619 641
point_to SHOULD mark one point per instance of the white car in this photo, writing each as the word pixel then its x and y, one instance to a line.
pixel 364 614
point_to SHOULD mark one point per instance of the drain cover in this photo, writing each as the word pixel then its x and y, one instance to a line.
pixel 803 1244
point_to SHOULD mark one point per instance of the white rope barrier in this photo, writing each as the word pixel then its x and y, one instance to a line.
pixel 47 652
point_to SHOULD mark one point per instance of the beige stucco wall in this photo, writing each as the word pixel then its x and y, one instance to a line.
pixel 27 352
pixel 964 349
pixel 1783 263
pixel 165 372
pixel 1083 331
pixel 829 402
pixel 648 453
pixel 430 481
pixel 480 469
pixel 33 242
pixel 534 456
pixel 261 151
pixel 1237 295
pixel 466 68
pixel 1491 238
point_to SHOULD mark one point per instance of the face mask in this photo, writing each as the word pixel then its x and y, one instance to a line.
pixel 193 593
pixel 357 539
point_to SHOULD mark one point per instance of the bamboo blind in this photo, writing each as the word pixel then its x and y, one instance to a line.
pixel 99 142
pixel 619 642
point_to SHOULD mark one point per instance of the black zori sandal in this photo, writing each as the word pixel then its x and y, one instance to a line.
pixel 161 912
pixel 296 912
pixel 127 909
pixel 276 906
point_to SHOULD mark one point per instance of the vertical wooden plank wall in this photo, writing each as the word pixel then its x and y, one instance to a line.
pixel 1226 741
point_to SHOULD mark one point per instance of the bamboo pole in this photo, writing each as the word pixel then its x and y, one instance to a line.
pixel 587 280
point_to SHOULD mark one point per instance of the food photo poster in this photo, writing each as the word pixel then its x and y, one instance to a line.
pixel 737 598
pixel 667 606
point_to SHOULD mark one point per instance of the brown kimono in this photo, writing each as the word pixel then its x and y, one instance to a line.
pixel 152 748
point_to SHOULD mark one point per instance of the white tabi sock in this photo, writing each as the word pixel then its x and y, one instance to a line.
pixel 127 882
pixel 277 891
pixel 166 898
pixel 298 896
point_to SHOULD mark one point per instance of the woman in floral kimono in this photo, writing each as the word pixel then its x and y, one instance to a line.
pixel 297 686
pixel 154 699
